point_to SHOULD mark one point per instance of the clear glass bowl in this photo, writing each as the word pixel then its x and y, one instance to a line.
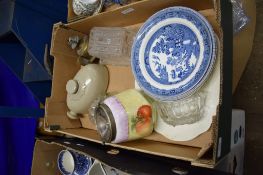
pixel 185 111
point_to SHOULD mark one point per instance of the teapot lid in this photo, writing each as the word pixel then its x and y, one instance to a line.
pixel 72 86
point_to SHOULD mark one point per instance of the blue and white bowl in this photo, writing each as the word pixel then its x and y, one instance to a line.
pixel 121 2
pixel 73 163
pixel 173 53
pixel 87 7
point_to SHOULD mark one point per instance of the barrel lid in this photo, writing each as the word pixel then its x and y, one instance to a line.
pixel 105 123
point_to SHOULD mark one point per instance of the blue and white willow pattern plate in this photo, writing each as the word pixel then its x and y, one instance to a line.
pixel 173 53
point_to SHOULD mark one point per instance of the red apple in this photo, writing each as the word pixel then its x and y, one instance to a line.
pixel 144 115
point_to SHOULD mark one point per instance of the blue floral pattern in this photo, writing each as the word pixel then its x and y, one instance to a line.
pixel 171 54
pixel 181 48
pixel 61 165
pixel 82 163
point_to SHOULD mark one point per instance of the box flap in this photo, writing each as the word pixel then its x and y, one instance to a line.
pixel 45 158
pixel 126 19
pixel 147 146
pixel 200 141
pixel 243 43
pixel 56 115
pixel 127 161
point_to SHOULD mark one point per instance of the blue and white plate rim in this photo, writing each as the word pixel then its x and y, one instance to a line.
pixel 211 64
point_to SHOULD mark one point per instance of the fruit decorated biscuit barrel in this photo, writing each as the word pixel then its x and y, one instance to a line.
pixel 124 117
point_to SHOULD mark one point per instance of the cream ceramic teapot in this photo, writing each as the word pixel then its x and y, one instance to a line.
pixel 89 83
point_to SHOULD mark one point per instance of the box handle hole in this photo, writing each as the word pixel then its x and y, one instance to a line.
pixel 113 152
pixel 179 171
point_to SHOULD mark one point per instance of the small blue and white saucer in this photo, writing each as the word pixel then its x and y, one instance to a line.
pixel 173 53
pixel 73 163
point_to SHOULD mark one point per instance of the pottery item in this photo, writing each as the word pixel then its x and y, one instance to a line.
pixel 123 117
pixel 111 44
pixel 173 53
pixel 73 163
pixel 89 83
pixel 87 7
pixel 96 169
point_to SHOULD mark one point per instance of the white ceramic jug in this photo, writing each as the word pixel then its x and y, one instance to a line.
pixel 89 83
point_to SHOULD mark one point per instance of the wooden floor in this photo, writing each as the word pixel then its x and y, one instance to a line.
pixel 249 96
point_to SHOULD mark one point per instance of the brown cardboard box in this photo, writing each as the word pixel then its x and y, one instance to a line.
pixel 243 42
pixel 73 17
pixel 45 158
pixel 123 162
pixel 200 151
pixel 46 154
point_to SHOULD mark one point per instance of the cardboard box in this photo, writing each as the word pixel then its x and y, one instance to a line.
pixel 204 150
pixel 243 42
pixel 46 151
pixel 73 17
pixel 45 157
pixel 234 161
pixel 125 162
